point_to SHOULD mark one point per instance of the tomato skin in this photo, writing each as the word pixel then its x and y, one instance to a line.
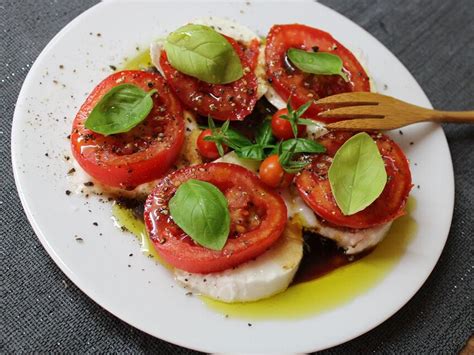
pixel 179 250
pixel 291 83
pixel 313 184
pixel 281 128
pixel 272 174
pixel 232 101
pixel 144 153
pixel 206 148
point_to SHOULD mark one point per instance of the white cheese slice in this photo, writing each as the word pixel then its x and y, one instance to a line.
pixel 352 240
pixel 265 276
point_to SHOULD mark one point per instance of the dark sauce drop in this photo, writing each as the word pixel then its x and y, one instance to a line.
pixel 320 257
pixel 136 206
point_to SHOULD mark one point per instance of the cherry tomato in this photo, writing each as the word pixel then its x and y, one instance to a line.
pixel 313 184
pixel 206 148
pixel 144 153
pixel 232 101
pixel 272 174
pixel 281 128
pixel 290 82
pixel 258 218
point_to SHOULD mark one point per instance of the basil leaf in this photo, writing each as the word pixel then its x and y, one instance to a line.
pixel 253 152
pixel 357 174
pixel 235 139
pixel 200 209
pixel 120 109
pixel 317 62
pixel 292 167
pixel 284 156
pixel 201 52
pixel 302 145
pixel 306 122
pixel 264 136
pixel 226 135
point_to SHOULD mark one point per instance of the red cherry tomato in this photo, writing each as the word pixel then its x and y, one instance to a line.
pixel 258 217
pixel 144 153
pixel 272 174
pixel 290 82
pixel 206 148
pixel 281 128
pixel 314 187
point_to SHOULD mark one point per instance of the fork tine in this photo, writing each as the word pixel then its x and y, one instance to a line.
pixel 348 99
pixel 359 111
pixel 363 124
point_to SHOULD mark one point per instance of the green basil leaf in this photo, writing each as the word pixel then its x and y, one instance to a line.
pixel 285 155
pixel 203 53
pixel 120 109
pixel 264 136
pixel 292 167
pixel 321 63
pixel 357 174
pixel 302 145
pixel 235 139
pixel 253 152
pixel 200 209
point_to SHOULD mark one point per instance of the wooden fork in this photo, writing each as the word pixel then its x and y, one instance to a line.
pixel 369 111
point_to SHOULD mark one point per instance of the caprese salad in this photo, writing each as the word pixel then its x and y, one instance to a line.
pixel 222 144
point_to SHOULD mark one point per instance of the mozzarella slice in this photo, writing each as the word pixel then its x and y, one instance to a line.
pixel 275 99
pixel 265 276
pixel 231 29
pixel 352 240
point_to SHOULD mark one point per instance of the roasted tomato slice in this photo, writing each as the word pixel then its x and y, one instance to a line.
pixel 143 154
pixel 291 83
pixel 258 218
pixel 313 184
pixel 233 101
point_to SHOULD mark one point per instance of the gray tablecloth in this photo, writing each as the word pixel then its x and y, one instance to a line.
pixel 43 311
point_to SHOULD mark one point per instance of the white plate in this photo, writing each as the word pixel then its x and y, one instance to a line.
pixel 147 299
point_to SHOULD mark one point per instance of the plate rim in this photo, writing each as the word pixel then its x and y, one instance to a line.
pixel 89 291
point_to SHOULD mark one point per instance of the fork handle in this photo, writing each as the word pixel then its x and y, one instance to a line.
pixel 454 116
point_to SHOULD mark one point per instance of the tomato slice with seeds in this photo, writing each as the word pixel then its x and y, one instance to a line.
pixel 258 218
pixel 232 101
pixel 313 184
pixel 291 83
pixel 144 153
